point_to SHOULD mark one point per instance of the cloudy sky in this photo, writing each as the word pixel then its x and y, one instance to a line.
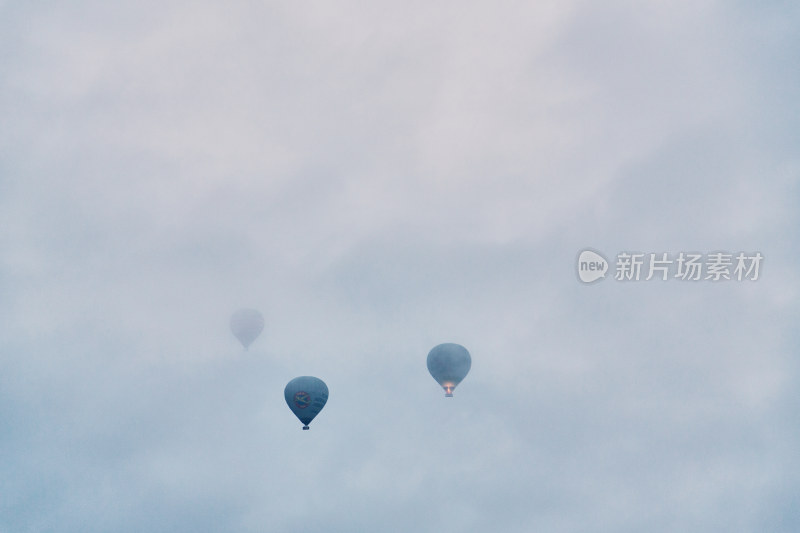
pixel 378 178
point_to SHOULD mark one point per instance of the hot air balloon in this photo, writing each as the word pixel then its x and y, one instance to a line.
pixel 247 325
pixel 306 396
pixel 448 364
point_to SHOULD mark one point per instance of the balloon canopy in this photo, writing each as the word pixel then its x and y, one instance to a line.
pixel 448 364
pixel 306 396
pixel 247 325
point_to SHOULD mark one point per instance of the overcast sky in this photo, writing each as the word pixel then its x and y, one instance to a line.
pixel 378 178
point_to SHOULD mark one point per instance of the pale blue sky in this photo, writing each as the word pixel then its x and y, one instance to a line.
pixel 379 178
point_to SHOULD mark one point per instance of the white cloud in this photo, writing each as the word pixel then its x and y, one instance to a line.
pixel 377 180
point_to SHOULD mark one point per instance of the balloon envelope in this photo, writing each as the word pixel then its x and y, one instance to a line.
pixel 247 325
pixel 448 364
pixel 306 396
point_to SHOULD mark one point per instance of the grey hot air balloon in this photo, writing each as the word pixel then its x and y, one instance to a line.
pixel 247 325
pixel 448 364
pixel 306 397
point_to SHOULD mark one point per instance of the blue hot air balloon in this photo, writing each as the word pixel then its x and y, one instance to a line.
pixel 247 325
pixel 448 364
pixel 306 396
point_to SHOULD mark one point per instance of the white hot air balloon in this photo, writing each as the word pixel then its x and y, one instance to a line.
pixel 247 325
